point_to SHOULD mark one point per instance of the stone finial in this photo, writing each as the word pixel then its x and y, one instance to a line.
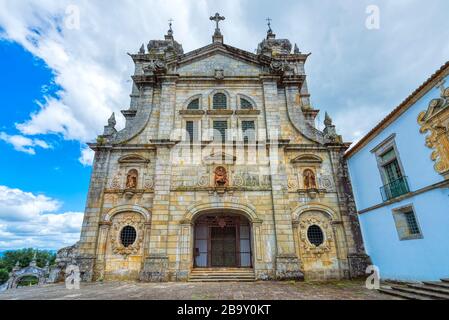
pixel 111 121
pixel 296 50
pixel 327 120
pixel 33 262
pixel 142 49
pixel 109 130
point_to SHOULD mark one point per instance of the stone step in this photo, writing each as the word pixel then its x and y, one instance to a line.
pixel 421 292
pixel 432 288
pixel 445 280
pixel 437 284
pixel 403 295
pixel 222 275
pixel 222 280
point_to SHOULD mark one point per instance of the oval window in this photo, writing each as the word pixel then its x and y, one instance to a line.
pixel 128 236
pixel 315 235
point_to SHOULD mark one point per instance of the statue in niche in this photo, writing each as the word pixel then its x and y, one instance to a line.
pixel 309 179
pixel 221 177
pixel 131 179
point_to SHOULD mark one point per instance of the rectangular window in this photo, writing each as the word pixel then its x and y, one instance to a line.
pixel 411 223
pixel 192 131
pixel 395 183
pixel 249 131
pixel 220 128
pixel 407 223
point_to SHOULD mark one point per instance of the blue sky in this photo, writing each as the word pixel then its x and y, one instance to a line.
pixel 60 84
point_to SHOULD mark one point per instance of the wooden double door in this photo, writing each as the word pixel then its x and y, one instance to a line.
pixel 222 241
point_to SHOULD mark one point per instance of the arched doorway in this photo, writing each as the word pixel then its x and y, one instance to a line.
pixel 222 240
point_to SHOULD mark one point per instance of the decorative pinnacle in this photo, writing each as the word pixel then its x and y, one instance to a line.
pixel 142 49
pixel 296 50
pixel 217 18
pixel 111 121
pixel 327 120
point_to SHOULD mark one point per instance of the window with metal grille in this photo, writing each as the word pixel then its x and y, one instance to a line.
pixel 412 224
pixel 128 236
pixel 245 104
pixel 194 105
pixel 249 131
pixel 220 101
pixel 315 235
pixel 192 131
pixel 407 223
pixel 220 128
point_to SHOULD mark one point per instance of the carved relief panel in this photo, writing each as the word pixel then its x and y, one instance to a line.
pixel 315 233
pixel 127 234
pixel 435 123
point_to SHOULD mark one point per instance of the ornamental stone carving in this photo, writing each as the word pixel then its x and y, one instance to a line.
pixel 310 219
pixel 116 182
pixel 121 221
pixel 131 179
pixel 309 179
pixel 221 177
pixel 435 121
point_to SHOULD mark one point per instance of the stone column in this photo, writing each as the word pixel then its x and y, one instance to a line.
pixel 156 263
pixel 167 107
pixel 287 262
pixel 100 262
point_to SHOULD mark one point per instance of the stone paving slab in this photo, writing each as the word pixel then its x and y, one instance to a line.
pixel 341 290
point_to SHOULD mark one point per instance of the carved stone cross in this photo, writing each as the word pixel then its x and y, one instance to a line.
pixel 217 18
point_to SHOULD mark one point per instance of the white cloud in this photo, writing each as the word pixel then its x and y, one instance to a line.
pixel 91 66
pixel 87 156
pixel 29 220
pixel 24 144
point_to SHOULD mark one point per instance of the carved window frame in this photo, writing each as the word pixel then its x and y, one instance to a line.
pixel 380 150
pixel 240 119
pixel 400 220
pixel 212 119
pixel 197 121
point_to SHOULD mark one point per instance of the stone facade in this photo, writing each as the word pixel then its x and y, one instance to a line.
pixel 152 177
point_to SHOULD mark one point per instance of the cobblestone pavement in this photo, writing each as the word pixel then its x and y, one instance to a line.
pixel 341 290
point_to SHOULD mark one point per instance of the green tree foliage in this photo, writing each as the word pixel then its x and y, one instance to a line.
pixel 25 256
pixel 4 275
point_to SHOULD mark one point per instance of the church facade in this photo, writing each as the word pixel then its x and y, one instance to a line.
pixel 220 167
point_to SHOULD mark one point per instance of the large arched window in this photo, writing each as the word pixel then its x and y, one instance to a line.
pixel 220 101
pixel 194 104
pixel 246 104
